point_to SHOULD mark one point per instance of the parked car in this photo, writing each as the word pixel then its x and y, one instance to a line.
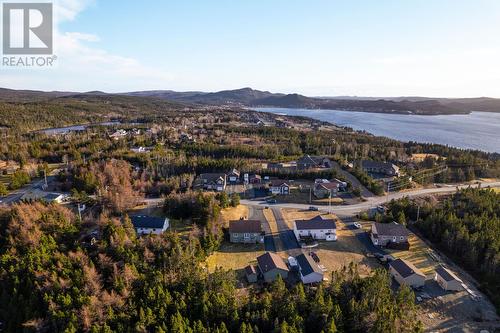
pixel 271 201
pixel 313 209
pixel 357 225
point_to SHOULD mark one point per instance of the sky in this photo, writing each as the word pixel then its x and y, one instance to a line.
pixel 435 48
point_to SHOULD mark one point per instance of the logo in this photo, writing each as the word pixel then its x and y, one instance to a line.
pixel 27 31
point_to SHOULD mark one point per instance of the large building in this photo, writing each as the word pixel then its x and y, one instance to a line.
pixel 310 162
pixel 393 235
pixel 145 225
pixel 309 270
pixel 384 168
pixel 404 272
pixel 448 280
pixel 315 228
pixel 246 231
pixel 271 266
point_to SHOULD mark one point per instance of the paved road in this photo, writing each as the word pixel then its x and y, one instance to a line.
pixel 351 210
pixel 256 213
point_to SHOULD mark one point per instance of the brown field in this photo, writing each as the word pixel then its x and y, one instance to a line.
pixel 234 213
pixel 418 255
pixel 234 256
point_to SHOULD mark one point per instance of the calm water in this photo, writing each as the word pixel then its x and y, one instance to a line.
pixel 75 128
pixel 478 130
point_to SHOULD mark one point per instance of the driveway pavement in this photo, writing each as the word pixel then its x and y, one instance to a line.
pixel 255 213
pixel 286 234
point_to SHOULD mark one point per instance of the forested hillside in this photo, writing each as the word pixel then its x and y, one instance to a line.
pixel 467 228
pixel 54 280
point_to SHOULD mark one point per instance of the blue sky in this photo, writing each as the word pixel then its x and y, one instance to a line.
pixel 324 47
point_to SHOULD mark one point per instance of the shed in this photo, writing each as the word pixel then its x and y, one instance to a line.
pixel 447 279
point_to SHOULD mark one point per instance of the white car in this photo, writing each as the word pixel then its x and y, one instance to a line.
pixel 357 225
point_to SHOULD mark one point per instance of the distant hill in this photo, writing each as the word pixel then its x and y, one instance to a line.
pixel 247 97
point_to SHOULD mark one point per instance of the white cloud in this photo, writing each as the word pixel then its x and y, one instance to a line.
pixel 82 66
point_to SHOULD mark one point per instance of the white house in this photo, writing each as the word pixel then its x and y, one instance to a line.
pixel 448 280
pixel 309 270
pixel 316 228
pixel 279 186
pixel 145 225
pixel 404 272
pixel 213 181
pixel 234 176
pixel 39 195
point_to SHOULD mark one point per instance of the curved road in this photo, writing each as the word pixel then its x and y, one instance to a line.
pixel 350 210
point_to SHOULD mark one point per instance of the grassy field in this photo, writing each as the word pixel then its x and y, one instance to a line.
pixel 234 213
pixel 234 256
pixel 296 196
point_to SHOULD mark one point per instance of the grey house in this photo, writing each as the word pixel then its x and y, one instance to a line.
pixel 271 266
pixel 383 168
pixel 404 272
pixel 246 231
pixel 251 273
pixel 390 235
pixel 309 162
pixel 213 181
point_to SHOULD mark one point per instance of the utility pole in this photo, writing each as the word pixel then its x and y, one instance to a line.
pixel 330 202
pixel 79 212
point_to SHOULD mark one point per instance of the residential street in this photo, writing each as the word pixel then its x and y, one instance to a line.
pixel 351 210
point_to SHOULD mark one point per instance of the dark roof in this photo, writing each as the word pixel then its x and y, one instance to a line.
pixel 242 226
pixel 212 177
pixel 405 268
pixel 328 186
pixel 307 265
pixel 269 261
pixel 446 274
pixel 316 223
pixel 315 160
pixel 250 269
pixel 150 222
pixel 391 229
pixel 278 182
pixel 377 164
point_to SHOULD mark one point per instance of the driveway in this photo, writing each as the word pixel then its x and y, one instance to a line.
pixel 353 180
pixel 255 213
pixel 286 234
pixel 361 235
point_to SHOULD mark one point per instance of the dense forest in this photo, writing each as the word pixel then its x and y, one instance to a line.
pixel 466 227
pixel 55 280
